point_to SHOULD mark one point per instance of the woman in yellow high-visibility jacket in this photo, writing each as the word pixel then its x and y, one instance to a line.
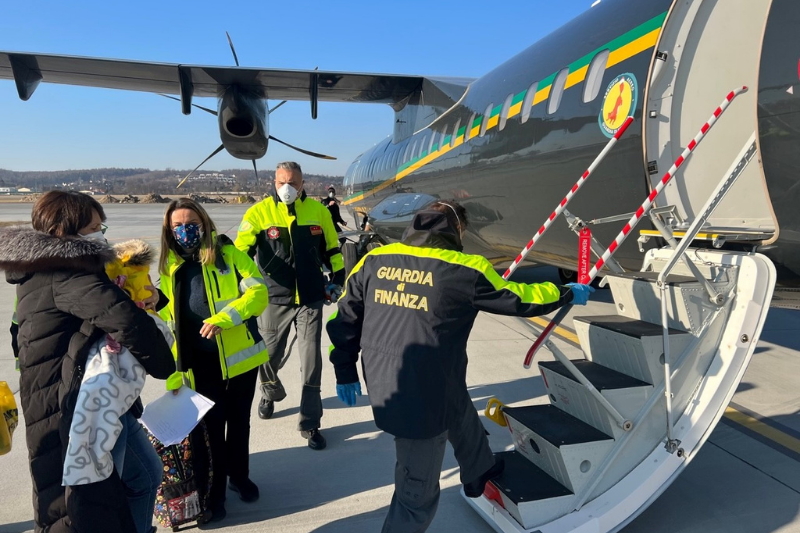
pixel 214 293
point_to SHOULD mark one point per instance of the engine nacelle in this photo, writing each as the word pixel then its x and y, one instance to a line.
pixel 243 123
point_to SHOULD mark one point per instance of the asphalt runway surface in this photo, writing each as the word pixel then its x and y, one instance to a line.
pixel 746 479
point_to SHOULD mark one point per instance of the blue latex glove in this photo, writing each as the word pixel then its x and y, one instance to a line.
pixel 580 293
pixel 348 392
pixel 332 293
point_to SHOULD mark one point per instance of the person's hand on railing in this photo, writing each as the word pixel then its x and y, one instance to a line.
pixel 580 293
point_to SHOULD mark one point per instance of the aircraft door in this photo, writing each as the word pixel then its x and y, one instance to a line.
pixel 711 47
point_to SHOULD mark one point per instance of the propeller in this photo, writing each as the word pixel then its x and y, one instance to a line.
pixel 255 169
pixel 236 59
pixel 222 146
pixel 276 107
pixel 215 152
pixel 307 152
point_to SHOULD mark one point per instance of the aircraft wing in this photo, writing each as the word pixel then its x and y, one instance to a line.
pixel 29 69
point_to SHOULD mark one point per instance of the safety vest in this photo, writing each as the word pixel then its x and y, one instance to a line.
pixel 290 244
pixel 235 292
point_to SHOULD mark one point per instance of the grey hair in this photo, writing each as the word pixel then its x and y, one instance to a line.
pixel 289 165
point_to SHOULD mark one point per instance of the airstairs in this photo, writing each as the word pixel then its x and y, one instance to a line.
pixel 623 422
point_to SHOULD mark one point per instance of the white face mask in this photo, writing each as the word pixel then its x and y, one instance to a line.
pixel 330 195
pixel 287 194
pixel 96 236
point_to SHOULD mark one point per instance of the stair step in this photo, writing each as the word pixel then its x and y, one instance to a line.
pixel 603 378
pixel 554 425
pixel 522 481
pixel 558 443
pixel 627 345
pixel 627 394
pixel 528 493
pixel 627 326
pixel 672 279
pixel 636 296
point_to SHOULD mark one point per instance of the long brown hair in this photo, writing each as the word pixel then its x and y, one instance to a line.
pixel 64 213
pixel 208 252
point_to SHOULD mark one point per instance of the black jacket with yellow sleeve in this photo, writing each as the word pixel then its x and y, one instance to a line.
pixel 409 309
pixel 290 244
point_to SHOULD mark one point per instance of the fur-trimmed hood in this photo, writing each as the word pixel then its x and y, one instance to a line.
pixel 28 251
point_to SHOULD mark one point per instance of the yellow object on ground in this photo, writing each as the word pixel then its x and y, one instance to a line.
pixel 9 417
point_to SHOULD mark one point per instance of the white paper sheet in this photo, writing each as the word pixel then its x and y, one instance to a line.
pixel 171 417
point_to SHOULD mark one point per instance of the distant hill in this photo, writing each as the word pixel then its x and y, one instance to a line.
pixel 144 181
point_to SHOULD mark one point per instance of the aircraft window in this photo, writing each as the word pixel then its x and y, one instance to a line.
pixel 433 141
pixel 504 112
pixel 485 120
pixel 594 76
pixel 527 104
pixel 407 154
pixel 557 91
pixel 421 147
pixel 455 133
pixel 468 131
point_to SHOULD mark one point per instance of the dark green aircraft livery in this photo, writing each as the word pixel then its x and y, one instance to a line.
pixel 509 145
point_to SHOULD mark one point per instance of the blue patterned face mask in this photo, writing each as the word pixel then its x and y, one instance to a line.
pixel 188 235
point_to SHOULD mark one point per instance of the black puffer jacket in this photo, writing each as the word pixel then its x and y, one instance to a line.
pixel 66 303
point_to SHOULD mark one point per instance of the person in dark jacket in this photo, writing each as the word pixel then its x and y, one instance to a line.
pixel 428 293
pixel 333 206
pixel 65 304
pixel 291 237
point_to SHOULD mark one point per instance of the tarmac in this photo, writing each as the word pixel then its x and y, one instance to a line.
pixel 746 479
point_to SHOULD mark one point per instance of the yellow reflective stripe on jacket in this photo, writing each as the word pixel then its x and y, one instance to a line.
pixel 236 318
pixel 539 293
pixel 244 355
pixel 220 305
pixel 230 307
pixel 246 283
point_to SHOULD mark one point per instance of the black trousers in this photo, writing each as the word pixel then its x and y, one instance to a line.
pixel 233 401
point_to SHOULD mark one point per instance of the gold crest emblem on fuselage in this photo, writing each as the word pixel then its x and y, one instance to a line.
pixel 619 103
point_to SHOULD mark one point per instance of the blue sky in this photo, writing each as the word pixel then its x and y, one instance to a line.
pixel 63 127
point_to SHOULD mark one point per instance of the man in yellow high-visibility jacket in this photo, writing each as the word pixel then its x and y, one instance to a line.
pixel 291 237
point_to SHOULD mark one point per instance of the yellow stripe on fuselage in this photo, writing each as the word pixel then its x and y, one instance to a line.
pixel 615 57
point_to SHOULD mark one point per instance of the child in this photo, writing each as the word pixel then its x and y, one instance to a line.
pixel 112 381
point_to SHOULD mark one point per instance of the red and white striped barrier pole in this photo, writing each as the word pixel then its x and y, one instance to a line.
pixel 635 218
pixel 568 197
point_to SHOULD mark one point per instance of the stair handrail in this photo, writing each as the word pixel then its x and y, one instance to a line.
pixel 646 205
pixel 561 207
pixel 747 152
pixel 565 201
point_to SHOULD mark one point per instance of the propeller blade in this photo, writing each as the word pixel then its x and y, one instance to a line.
pixel 236 59
pixel 276 107
pixel 215 152
pixel 307 152
pixel 255 169
pixel 207 110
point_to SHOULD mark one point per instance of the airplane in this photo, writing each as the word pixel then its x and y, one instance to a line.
pixel 510 144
